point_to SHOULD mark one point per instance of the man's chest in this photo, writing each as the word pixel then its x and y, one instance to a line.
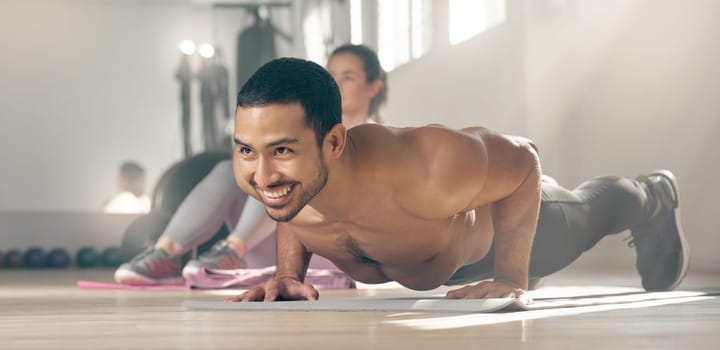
pixel 382 239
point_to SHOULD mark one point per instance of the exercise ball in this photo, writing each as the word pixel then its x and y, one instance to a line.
pixel 175 184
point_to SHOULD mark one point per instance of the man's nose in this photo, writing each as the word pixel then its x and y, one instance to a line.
pixel 265 173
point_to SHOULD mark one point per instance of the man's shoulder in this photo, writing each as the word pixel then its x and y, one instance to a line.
pixel 428 129
pixel 432 144
pixel 437 143
pixel 443 169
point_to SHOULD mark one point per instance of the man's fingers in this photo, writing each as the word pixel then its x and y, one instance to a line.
pixel 250 295
pixel 234 298
pixel 502 292
pixel 271 292
pixel 481 292
pixel 485 290
pixel 309 292
pixel 462 293
pixel 274 290
pixel 515 293
pixel 457 293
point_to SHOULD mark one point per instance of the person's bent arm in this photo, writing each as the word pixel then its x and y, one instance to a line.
pixel 292 256
pixel 514 222
pixel 292 263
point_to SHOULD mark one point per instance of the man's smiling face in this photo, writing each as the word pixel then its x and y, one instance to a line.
pixel 276 156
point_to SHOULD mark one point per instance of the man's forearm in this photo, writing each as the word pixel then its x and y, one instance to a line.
pixel 515 225
pixel 292 257
pixel 512 258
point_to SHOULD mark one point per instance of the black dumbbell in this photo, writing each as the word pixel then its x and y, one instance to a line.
pixel 87 257
pixel 35 258
pixel 13 259
pixel 111 257
pixel 58 258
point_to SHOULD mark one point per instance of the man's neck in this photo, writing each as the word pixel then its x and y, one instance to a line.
pixel 335 199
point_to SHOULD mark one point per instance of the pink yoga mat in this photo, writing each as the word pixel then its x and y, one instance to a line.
pixel 240 278
pixel 246 278
pixel 101 285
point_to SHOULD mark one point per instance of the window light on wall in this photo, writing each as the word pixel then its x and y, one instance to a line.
pixel 468 18
pixel 314 27
pixel 356 35
pixel 404 31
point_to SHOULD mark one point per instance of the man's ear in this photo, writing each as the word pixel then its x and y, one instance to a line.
pixel 335 141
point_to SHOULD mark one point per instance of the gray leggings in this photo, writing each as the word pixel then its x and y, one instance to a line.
pixel 572 222
pixel 214 201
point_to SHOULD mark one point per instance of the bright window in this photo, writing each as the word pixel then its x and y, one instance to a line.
pixel 468 18
pixel 404 31
pixel 314 26
pixel 356 35
pixel 421 28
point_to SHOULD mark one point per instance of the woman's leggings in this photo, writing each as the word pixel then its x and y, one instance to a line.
pixel 214 201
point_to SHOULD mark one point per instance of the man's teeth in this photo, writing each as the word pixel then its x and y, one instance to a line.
pixel 277 194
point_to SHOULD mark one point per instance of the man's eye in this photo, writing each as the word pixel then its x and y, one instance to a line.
pixel 282 150
pixel 245 151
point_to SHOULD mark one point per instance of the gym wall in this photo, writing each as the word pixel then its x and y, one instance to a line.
pixel 604 87
pixel 87 85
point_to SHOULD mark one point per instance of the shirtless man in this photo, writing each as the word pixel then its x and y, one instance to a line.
pixel 426 206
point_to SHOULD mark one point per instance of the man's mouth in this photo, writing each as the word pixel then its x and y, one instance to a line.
pixel 276 195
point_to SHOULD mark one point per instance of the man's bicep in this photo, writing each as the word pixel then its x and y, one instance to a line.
pixel 520 209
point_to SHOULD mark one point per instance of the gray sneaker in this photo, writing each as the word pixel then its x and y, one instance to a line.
pixel 220 256
pixel 151 267
pixel 663 255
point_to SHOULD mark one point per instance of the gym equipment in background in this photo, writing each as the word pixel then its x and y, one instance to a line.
pixel 13 259
pixel 35 258
pixel 87 257
pixel 58 258
pixel 111 257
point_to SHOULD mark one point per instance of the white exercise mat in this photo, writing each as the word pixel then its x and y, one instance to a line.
pixel 366 304
pixel 437 304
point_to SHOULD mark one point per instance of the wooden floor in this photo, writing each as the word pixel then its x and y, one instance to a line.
pixel 44 310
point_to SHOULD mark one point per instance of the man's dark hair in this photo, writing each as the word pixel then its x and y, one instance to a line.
pixel 290 80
